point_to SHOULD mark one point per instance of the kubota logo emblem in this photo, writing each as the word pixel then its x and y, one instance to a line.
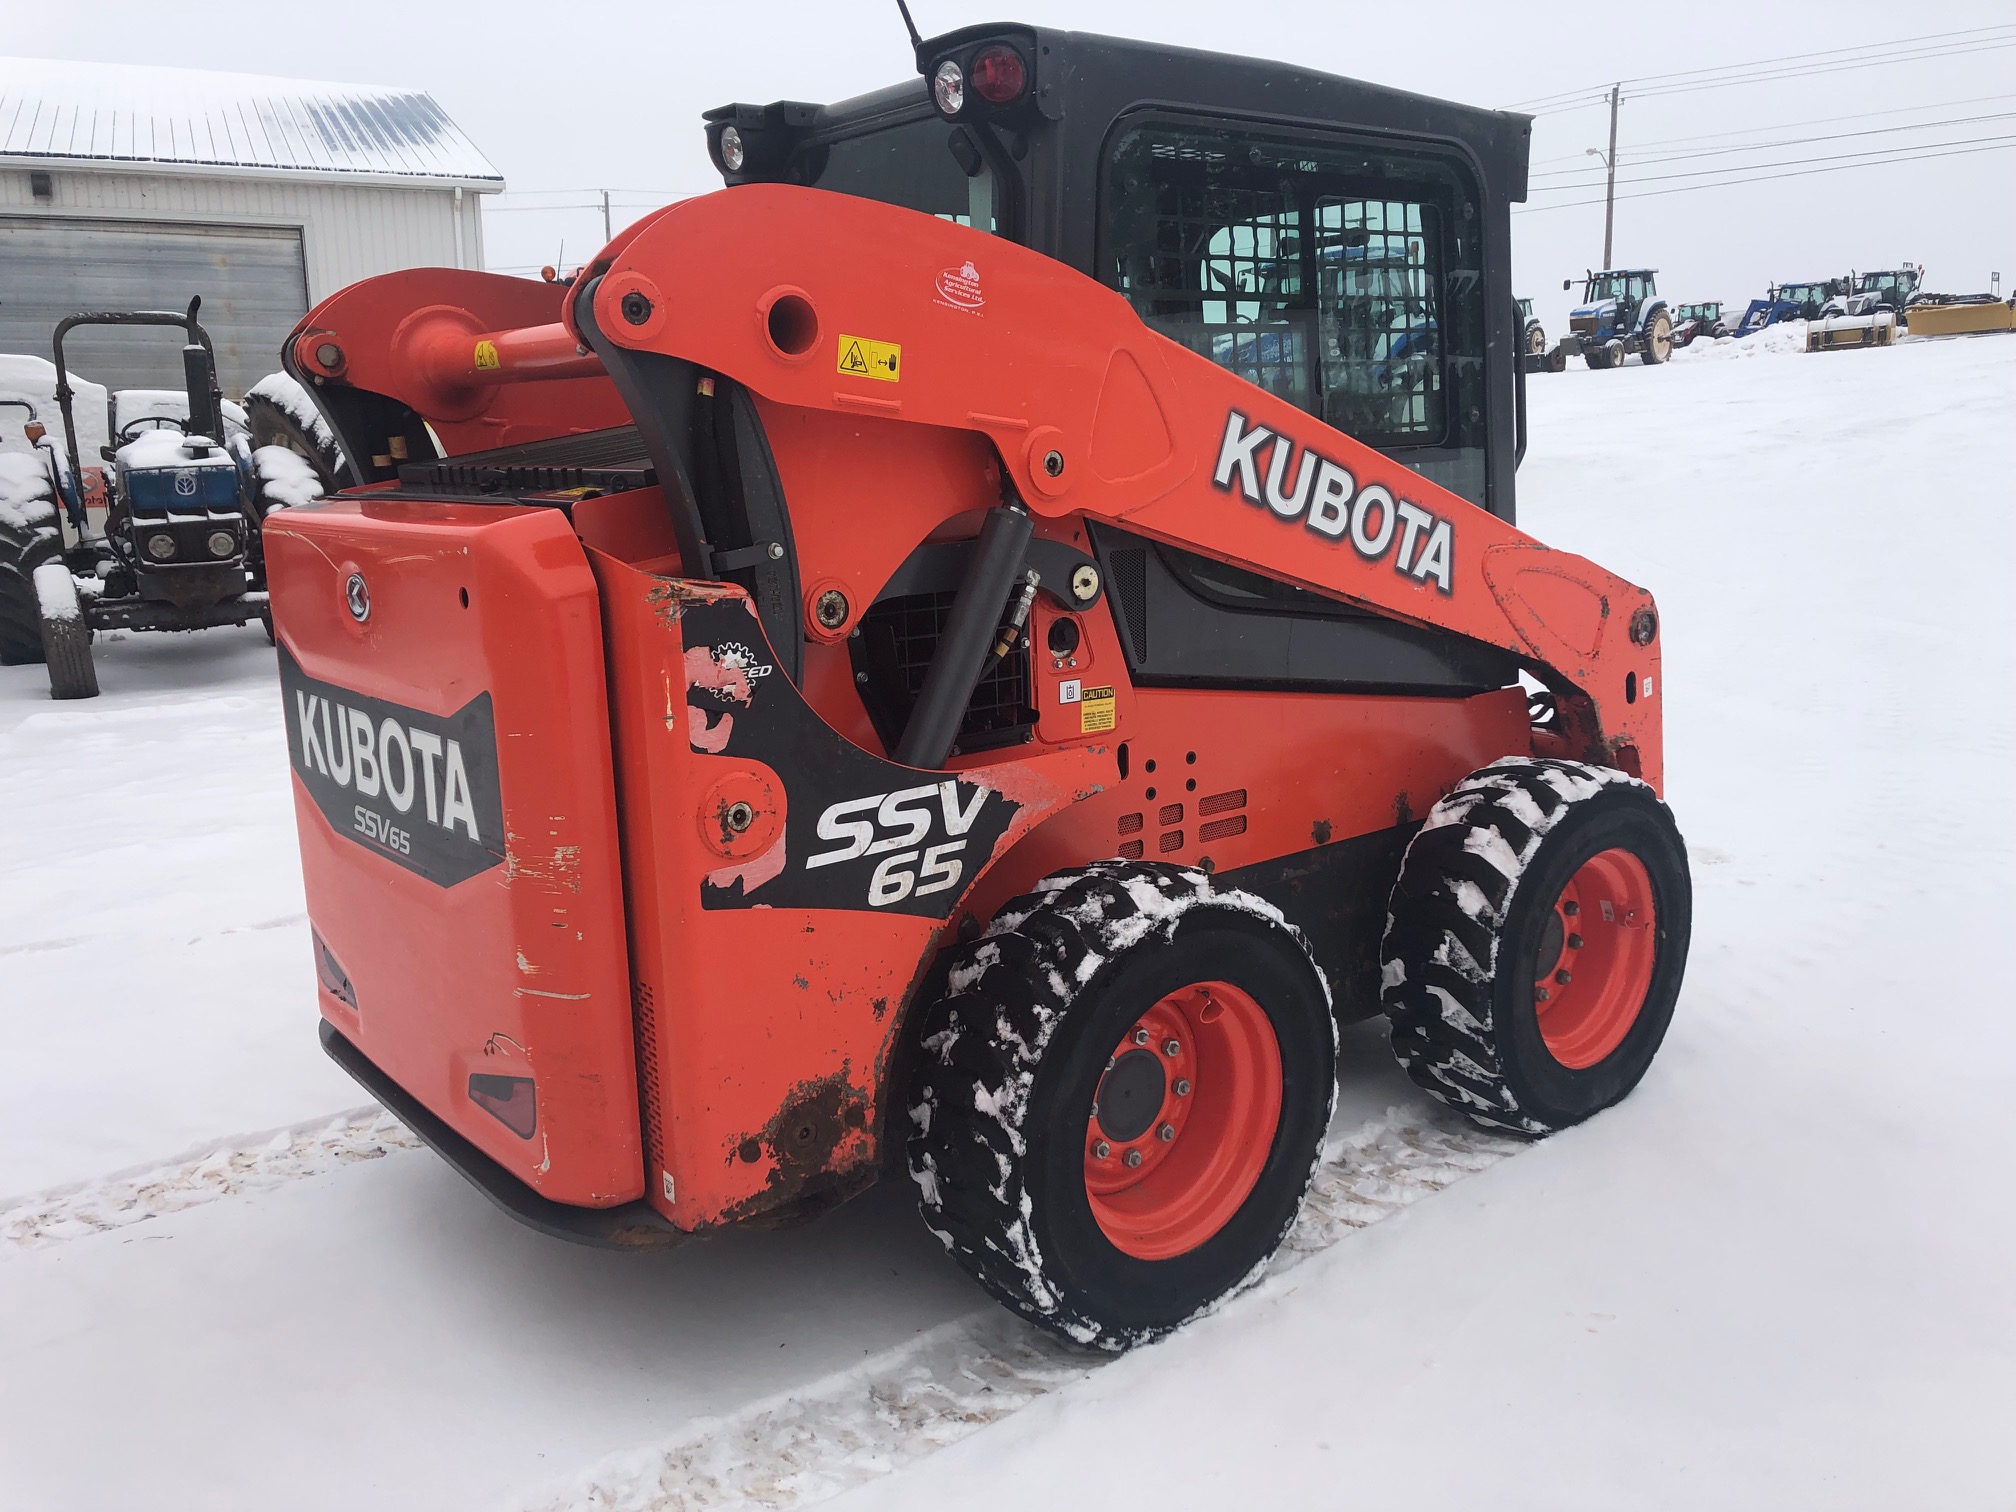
pixel 1324 496
pixel 358 596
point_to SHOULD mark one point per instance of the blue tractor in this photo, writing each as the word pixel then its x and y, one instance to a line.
pixel 1620 313
pixel 182 498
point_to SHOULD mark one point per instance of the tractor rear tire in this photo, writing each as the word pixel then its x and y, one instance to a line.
pixel 272 425
pixel 1536 340
pixel 23 548
pixel 1120 1100
pixel 66 634
pixel 1536 942
pixel 1658 341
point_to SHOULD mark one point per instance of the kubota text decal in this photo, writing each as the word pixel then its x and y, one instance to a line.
pixel 419 789
pixel 1297 483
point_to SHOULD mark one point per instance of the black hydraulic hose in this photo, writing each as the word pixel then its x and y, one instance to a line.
pixel 992 573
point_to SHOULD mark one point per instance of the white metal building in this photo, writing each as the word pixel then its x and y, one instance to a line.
pixel 125 187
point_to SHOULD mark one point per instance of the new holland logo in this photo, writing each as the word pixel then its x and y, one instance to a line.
pixel 419 789
pixel 1297 483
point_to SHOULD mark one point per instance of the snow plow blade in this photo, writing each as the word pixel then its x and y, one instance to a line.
pixel 1963 319
pixel 1843 331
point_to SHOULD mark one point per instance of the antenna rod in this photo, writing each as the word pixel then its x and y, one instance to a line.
pixel 916 41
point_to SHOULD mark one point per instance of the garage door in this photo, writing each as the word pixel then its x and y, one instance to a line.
pixel 251 278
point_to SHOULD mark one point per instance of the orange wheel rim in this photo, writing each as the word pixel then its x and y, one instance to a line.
pixel 1183 1121
pixel 1596 957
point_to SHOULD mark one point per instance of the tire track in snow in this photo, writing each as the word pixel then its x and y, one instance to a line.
pixel 230 1168
pixel 815 1442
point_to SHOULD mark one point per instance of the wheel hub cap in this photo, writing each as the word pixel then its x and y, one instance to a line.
pixel 1184 1120
pixel 1594 964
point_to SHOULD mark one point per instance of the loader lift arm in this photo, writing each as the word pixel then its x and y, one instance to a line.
pixel 1088 411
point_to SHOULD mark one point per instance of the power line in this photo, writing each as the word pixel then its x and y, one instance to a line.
pixel 1945 38
pixel 1873 153
pixel 2005 146
pixel 1656 159
pixel 1862 115
pixel 1804 73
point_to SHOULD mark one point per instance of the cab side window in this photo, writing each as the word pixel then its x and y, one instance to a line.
pixel 1344 277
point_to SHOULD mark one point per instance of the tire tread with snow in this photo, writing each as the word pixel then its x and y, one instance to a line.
pixel 66 634
pixel 1464 928
pixel 22 550
pixel 1009 1060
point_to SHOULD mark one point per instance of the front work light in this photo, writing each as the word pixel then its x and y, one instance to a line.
pixel 731 149
pixel 948 88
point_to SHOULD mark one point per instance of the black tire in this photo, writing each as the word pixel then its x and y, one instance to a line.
pixel 271 425
pixel 22 550
pixel 1598 358
pixel 66 636
pixel 1536 339
pixel 1464 939
pixel 1013 1056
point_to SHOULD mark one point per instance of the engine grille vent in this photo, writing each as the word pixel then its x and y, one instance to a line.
pixel 607 460
pixel 644 1007
pixel 1222 803
pixel 898 638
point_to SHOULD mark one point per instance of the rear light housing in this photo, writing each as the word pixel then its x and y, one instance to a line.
pixel 983 77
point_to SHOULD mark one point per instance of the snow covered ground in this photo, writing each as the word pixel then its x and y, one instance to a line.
pixel 1775 1277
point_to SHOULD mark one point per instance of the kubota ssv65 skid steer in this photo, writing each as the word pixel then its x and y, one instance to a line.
pixel 977 644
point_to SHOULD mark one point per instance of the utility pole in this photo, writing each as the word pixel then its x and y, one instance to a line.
pixel 606 234
pixel 1610 181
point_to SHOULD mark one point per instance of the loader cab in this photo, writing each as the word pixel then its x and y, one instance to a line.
pixel 1342 245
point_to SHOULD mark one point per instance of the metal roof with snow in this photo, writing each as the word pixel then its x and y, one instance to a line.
pixel 112 114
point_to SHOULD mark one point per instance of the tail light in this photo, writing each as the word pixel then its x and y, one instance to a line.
pixel 511 1100
pixel 998 75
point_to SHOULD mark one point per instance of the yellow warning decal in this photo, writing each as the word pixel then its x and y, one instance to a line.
pixel 486 356
pixel 862 358
pixel 1095 711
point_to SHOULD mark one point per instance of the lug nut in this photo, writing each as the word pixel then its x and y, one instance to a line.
pixel 1172 1047
pixel 1571 908
pixel 1166 1133
pixel 1574 942
pixel 1182 1086
pixel 1140 1036
pixel 1101 1150
pixel 1563 978
pixel 1540 994
pixel 1133 1159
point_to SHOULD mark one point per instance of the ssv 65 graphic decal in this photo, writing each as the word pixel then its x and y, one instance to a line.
pixel 1297 483
pixel 419 789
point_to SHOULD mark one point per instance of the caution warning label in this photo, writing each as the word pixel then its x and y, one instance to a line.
pixel 862 358
pixel 1095 710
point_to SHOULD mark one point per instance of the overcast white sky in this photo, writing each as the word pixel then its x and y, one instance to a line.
pixel 577 97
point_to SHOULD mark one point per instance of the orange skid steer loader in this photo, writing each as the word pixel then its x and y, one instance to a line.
pixel 977 644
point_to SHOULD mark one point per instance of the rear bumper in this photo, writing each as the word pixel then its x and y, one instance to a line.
pixel 634 1225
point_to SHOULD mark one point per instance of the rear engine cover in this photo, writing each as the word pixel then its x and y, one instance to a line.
pixel 448 728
